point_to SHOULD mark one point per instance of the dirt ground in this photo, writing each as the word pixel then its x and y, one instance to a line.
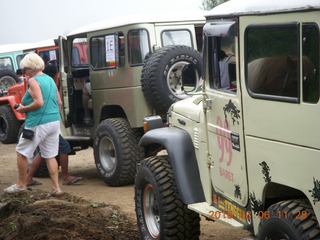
pixel 89 209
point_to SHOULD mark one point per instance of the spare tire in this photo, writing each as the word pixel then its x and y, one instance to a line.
pixel 7 79
pixel 161 75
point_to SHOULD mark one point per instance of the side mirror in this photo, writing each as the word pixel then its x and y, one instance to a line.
pixel 189 78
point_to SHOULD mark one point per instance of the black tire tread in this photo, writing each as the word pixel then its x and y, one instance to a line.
pixel 149 76
pixel 179 221
pixel 10 134
pixel 132 152
pixel 308 228
pixel 9 73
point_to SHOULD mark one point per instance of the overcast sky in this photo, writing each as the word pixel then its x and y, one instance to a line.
pixel 36 20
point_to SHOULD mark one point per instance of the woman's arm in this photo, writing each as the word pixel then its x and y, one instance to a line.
pixel 35 92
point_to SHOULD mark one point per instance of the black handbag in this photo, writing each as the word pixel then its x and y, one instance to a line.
pixel 27 133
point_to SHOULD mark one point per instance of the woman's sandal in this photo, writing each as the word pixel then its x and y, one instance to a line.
pixel 55 193
pixel 14 189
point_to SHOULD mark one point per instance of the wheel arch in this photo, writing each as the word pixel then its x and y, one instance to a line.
pixel 183 160
pixel 112 111
pixel 275 192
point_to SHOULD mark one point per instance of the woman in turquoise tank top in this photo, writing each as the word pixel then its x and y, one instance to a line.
pixel 41 104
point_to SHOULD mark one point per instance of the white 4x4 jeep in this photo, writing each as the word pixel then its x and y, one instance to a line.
pixel 134 65
pixel 245 151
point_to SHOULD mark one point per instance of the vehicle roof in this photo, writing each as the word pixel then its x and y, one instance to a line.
pixel 136 19
pixel 14 47
pixel 17 47
pixel 253 7
pixel 44 43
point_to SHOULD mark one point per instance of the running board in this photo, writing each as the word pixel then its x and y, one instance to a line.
pixel 206 210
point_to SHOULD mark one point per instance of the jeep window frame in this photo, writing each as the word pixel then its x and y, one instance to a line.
pixel 176 30
pixel 214 32
pixel 130 55
pixel 52 53
pixel 311 86
pixel 74 50
pixel 280 98
pixel 119 50
pixel 6 60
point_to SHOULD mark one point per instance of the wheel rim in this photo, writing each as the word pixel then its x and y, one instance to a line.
pixel 6 82
pixel 174 79
pixel 107 152
pixel 151 211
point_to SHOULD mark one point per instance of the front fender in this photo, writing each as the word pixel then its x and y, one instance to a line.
pixel 183 160
pixel 12 100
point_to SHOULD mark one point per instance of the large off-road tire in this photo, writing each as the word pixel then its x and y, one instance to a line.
pixel 160 212
pixel 9 125
pixel 161 75
pixel 7 79
pixel 116 151
pixel 292 219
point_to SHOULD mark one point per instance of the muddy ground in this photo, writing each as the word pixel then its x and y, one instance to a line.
pixel 88 210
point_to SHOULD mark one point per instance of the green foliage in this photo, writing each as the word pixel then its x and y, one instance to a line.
pixel 209 4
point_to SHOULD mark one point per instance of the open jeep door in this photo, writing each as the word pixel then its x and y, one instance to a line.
pixel 63 88
pixel 224 115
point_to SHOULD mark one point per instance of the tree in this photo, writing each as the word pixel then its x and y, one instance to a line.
pixel 209 4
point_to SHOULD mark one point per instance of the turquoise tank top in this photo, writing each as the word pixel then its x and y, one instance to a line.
pixel 49 112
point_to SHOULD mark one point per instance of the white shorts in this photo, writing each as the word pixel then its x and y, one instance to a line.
pixel 46 136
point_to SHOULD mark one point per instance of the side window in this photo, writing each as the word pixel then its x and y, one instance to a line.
pixel 19 58
pixel 48 55
pixel 176 37
pixel 272 61
pixel 6 64
pixel 138 45
pixel 199 38
pixel 107 51
pixel 310 61
pixel 79 52
pixel 222 60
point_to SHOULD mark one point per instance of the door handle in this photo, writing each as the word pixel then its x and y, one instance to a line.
pixel 235 140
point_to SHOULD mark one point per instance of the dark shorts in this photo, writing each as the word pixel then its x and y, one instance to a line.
pixel 64 146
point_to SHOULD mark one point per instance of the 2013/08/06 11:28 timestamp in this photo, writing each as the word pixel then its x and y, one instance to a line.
pixel 260 214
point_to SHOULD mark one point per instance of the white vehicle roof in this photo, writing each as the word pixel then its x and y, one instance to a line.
pixel 135 19
pixel 7 48
pixel 44 43
pixel 249 7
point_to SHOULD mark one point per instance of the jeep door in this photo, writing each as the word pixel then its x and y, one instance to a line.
pixel 63 56
pixel 224 112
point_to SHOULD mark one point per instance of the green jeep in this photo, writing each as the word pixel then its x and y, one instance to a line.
pixel 244 151
pixel 134 66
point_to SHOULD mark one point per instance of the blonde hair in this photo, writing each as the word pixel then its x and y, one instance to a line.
pixel 32 61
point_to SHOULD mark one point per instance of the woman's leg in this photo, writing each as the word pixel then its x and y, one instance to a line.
pixel 22 163
pixel 52 166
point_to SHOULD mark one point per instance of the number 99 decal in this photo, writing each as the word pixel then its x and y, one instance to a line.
pixel 223 139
